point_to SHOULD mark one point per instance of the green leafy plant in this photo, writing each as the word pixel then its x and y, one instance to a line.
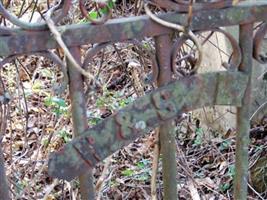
pixel 58 105
pixel 112 100
pixel 225 145
pixel 199 136
pixel 113 183
pixel 37 86
pixel 259 147
pixel 143 177
pixel 93 14
pixel 144 166
pixel 110 4
pixel 140 171
pixel 45 142
pixel 127 172
pixel 47 73
pixel 224 187
pixel 64 135
pixel 231 171
pixel 94 120
pixel 143 163
pixel 20 185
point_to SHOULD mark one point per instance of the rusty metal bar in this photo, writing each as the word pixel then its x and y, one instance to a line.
pixel 79 120
pixel 4 190
pixel 243 115
pixel 133 27
pixel 163 46
pixel 143 115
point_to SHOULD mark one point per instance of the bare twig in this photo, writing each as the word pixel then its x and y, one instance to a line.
pixel 50 189
pixel 61 43
pixel 262 75
pixel 193 190
pixel 26 110
pixel 257 111
pixel 102 178
pixel 255 192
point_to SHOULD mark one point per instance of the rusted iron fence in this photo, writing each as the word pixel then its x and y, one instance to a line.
pixel 171 99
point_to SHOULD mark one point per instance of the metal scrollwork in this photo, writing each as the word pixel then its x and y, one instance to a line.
pixel 58 12
pixel 258 40
pixel 98 47
pixel 186 34
pixel 49 55
pixel 236 56
pixel 194 63
pixel 63 6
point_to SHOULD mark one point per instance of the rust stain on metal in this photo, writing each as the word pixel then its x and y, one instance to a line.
pixel 28 39
pixel 165 103
pixel 257 44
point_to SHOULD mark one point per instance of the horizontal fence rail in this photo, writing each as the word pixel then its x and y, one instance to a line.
pixel 19 41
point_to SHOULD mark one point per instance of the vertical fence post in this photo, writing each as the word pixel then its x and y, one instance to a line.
pixel 243 122
pixel 79 119
pixel 166 131
pixel 4 190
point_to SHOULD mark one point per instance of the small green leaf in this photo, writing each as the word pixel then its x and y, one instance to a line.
pixel 93 15
pixel 143 163
pixel 37 86
pixel 58 105
pixel 60 102
pixel 104 10
pixel 143 177
pixel 127 172
pixel 47 73
pixel 199 131
pixel 48 101
pixel 225 145
pixel 45 142
pixel 231 171
pixel 199 136
pixel 64 135
pixel 224 187
pixel 140 165
pixel 259 148
pixel 109 6
pixel 94 121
